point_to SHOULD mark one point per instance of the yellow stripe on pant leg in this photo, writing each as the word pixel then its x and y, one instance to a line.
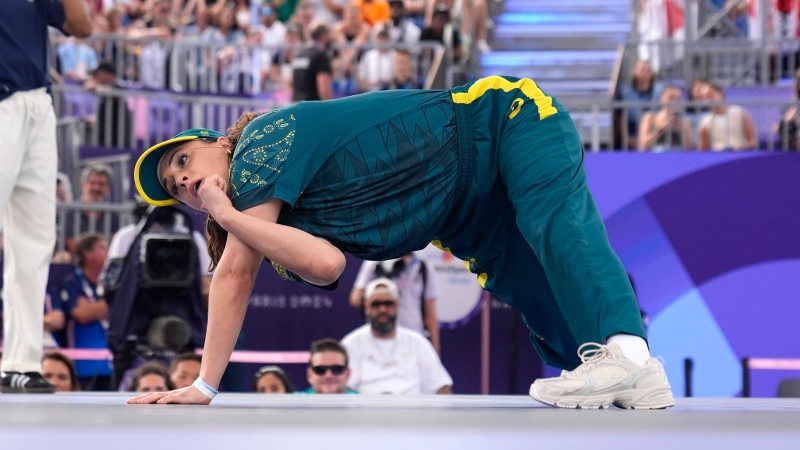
pixel 529 87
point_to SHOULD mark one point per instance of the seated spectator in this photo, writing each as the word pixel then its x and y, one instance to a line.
pixel 374 11
pixel 349 32
pixel 63 188
pixel 327 371
pixel 695 112
pixel 419 294
pixel 405 72
pixel 643 90
pixel 388 359
pixel 184 369
pixel 726 127
pixel 151 377
pixel 376 68
pixel 272 380
pixel 402 30
pixel 113 120
pixel 77 59
pixel 667 128
pixel 95 190
pixel 60 372
pixel 443 32
pixel 88 311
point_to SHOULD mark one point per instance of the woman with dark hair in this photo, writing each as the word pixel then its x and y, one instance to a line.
pixel 491 172
pixel 60 371
pixel 152 377
pixel 272 380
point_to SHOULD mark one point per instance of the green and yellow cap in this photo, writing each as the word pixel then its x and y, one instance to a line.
pixel 145 174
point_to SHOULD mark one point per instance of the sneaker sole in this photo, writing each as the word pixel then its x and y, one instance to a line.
pixel 660 398
pixel 10 390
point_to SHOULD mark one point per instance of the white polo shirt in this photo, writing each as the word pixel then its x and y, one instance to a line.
pixel 406 364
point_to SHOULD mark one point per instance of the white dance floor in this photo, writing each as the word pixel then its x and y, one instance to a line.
pixel 251 421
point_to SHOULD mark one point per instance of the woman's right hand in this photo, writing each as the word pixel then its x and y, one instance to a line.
pixel 184 396
pixel 214 195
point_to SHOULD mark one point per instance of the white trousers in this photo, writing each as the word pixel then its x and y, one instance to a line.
pixel 28 166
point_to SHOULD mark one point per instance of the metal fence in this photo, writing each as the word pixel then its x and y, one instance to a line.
pixel 187 64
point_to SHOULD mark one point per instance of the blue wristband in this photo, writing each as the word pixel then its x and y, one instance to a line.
pixel 205 388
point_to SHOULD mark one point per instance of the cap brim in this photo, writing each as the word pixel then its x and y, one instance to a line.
pixel 145 174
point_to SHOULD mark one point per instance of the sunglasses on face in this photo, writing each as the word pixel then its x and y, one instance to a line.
pixel 387 303
pixel 322 370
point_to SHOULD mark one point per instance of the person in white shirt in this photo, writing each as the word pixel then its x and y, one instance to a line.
pixel 376 69
pixel 419 291
pixel 389 359
pixel 726 127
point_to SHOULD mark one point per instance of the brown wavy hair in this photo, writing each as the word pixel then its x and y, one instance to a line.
pixel 218 236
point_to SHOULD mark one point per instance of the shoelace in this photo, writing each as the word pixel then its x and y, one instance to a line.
pixel 592 356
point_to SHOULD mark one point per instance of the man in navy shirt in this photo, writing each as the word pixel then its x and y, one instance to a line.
pixel 28 177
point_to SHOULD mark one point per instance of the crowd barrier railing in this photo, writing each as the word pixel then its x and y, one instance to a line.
pixel 187 64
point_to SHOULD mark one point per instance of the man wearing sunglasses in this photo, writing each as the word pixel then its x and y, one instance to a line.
pixel 389 359
pixel 327 371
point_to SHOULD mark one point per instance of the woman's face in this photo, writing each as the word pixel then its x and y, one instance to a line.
pixel 270 384
pixel 57 373
pixel 152 383
pixel 184 168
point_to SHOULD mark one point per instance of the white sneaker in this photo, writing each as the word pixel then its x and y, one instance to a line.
pixel 606 378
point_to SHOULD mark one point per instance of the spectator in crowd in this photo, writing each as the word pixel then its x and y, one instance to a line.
pixel 327 371
pixel 113 120
pixel 443 32
pixel 77 58
pixel 95 190
pixel 151 377
pixel 282 64
pixel 402 30
pixel 60 371
pixel 374 11
pixel 88 311
pixel 184 369
pixel 390 359
pixel 642 90
pixel 726 127
pixel 698 97
pixel 304 16
pixel 273 33
pixel 63 188
pixel 666 128
pixel 312 77
pixel 272 380
pixel 376 68
pixel 418 288
pixel 405 71
pixel 351 31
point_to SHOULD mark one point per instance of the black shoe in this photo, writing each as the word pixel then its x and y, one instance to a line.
pixel 25 383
